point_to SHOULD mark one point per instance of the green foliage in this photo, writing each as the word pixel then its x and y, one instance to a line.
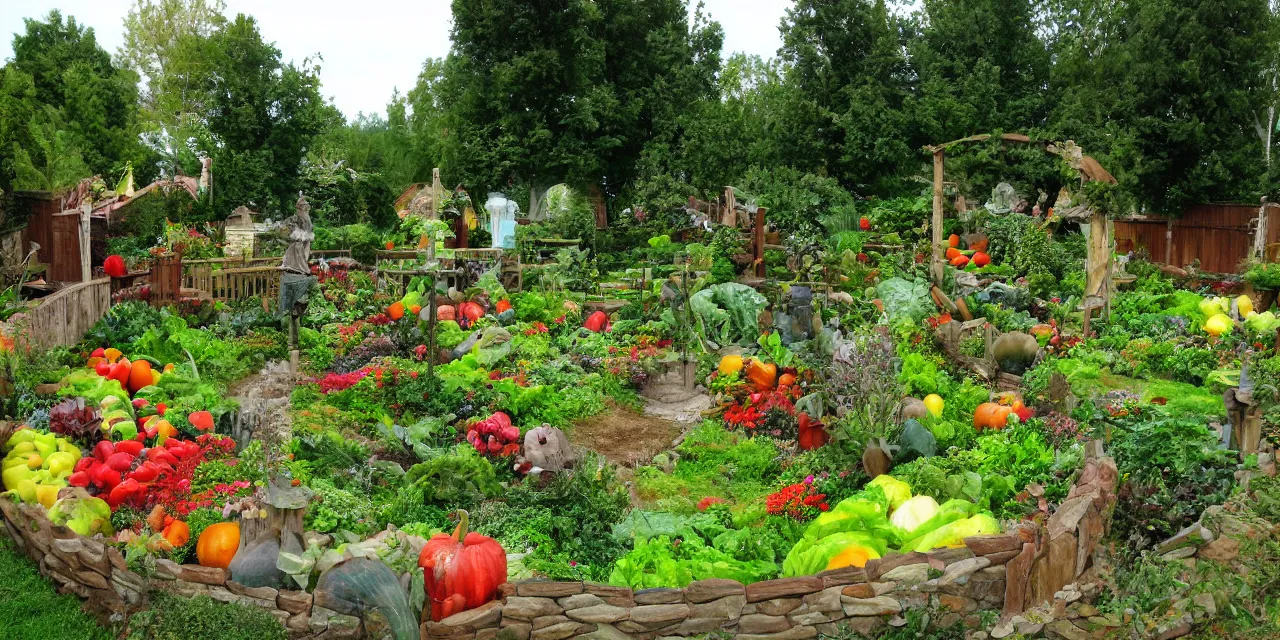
pixel 1175 468
pixel 338 509
pixel 174 617
pixel 714 462
pixel 455 480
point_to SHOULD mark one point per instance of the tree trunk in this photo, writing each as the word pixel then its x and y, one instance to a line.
pixel 538 199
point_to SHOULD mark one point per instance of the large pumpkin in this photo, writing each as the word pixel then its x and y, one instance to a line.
pixel 762 374
pixel 991 415
pixel 462 571
pixel 218 545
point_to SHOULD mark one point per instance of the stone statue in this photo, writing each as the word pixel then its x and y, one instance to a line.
pixel 296 279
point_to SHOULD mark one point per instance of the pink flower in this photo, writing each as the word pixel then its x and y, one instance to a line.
pixel 808 479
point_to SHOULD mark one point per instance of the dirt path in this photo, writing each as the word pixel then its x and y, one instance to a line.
pixel 264 405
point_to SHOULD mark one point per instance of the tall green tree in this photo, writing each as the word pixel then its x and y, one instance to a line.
pixel 980 66
pixel 97 100
pixel 163 45
pixel 847 81
pixel 51 162
pixel 547 91
pixel 262 114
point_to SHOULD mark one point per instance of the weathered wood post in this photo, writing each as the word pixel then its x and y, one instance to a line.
pixel 938 267
pixel 1259 251
pixel 86 264
pixel 759 243
pixel 1168 241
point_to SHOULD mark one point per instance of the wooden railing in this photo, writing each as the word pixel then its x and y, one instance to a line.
pixel 63 318
pixel 198 274
pixel 238 284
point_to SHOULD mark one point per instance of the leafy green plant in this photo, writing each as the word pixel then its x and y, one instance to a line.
pixel 172 617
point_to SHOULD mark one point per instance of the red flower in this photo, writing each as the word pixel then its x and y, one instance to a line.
pixel 706 502
pixel 796 501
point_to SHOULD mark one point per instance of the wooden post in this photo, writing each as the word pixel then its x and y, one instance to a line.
pixel 938 267
pixel 1260 232
pixel 1168 242
pixel 86 263
pixel 730 214
pixel 436 193
pixel 758 253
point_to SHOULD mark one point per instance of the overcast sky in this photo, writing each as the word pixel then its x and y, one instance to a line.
pixel 369 46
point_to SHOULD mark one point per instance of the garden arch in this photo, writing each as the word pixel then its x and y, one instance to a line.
pixel 1098 263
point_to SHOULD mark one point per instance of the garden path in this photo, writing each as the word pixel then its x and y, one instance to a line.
pixel 264 404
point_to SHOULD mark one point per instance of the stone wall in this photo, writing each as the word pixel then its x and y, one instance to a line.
pixel 98 573
pixel 1026 569
pixel 1023 568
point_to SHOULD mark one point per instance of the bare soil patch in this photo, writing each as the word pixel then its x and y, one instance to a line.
pixel 624 437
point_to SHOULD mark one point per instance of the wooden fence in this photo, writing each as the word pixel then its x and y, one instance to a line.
pixel 63 318
pixel 1218 235
pixel 238 284
pixel 199 274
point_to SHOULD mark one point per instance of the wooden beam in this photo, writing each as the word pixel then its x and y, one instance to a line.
pixel 759 242
pixel 1168 241
pixel 938 267
pixel 437 192
pixel 1259 250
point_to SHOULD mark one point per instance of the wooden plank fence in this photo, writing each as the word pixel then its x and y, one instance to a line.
pixel 199 274
pixel 1218 235
pixel 62 319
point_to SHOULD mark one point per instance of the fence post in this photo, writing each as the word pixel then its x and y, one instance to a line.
pixel 937 269
pixel 1260 232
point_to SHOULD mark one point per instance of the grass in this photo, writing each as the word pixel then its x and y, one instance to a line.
pixel 30 608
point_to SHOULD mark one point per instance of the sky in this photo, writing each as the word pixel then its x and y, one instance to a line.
pixel 369 47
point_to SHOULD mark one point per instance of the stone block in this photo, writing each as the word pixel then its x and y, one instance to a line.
pixel 92 579
pixel 989 544
pixel 298 623
pixel 696 626
pixel 843 576
pixel 878 606
pixel 828 600
pixel 700 591
pixel 579 601
pixel 261 593
pixel 658 596
pixel 863 590
pixel 561 631
pixel 515 630
pixel 779 606
pixel 815 617
pixel 907 575
pixel 486 615
pixel 759 623
pixel 959 604
pixel 547 589
pixel 343 628
pixel 294 602
pixel 542 622
pixel 656 613
pixel 1001 557
pixel 783 587
pixel 728 608
pixel 523 608
pixel 959 572
pixel 880 566
pixel 599 613
pixel 203 575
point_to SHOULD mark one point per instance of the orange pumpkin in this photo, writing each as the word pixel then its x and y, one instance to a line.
pixel 953 240
pixel 762 374
pixel 177 533
pixel 952 253
pixel 981 259
pixel 786 380
pixel 396 310
pixel 980 245
pixel 446 312
pixel 218 545
pixel 991 415
pixel 960 261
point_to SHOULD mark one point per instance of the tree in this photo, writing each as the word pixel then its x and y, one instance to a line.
pixel 165 43
pixel 262 116
pixel 567 90
pixel 981 66
pixel 158 35
pixel 97 100
pixel 53 164
pixel 847 82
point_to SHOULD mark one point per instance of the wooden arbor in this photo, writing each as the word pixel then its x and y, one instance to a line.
pixel 1098 267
